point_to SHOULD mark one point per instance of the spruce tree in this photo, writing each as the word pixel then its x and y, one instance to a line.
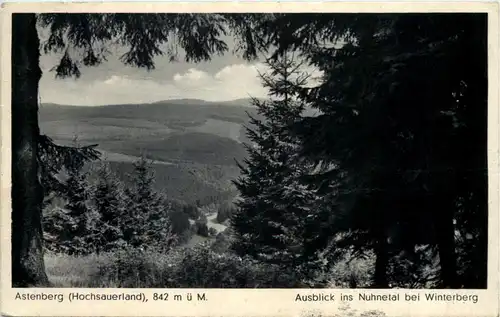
pixel 73 228
pixel 393 121
pixel 85 220
pixel 109 202
pixel 276 208
pixel 147 222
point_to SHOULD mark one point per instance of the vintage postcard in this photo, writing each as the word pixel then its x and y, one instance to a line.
pixel 250 159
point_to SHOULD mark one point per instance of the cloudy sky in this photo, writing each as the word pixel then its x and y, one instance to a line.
pixel 224 78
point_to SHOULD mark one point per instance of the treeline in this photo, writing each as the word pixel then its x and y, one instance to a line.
pixel 184 181
pixel 393 165
pixel 93 211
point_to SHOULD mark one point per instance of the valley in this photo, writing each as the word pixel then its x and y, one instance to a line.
pixel 193 144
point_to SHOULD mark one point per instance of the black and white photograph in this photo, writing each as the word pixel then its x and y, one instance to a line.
pixel 249 150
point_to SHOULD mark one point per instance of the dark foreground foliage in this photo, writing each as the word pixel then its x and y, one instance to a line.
pixel 398 145
pixel 198 267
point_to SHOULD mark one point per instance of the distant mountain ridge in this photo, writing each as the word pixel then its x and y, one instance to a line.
pixel 241 102
pixel 195 144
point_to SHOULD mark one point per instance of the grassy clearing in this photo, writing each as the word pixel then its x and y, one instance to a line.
pixel 73 271
pixel 134 269
pixel 188 267
pixel 196 267
pixel 117 269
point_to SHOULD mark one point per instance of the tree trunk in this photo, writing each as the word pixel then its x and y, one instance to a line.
pixel 381 262
pixel 28 267
pixel 445 234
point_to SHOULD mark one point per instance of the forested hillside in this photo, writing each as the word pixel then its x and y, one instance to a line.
pixel 194 144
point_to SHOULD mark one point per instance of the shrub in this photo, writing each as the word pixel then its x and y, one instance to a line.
pixel 351 272
pixel 209 209
pixel 201 227
pixel 224 212
pixel 131 268
pixel 222 243
pixel 415 270
pixel 200 267
pixel 197 267
pixel 191 211
pixel 185 236
pixel 180 222
pixel 212 232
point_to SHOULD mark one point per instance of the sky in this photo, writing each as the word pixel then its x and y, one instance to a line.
pixel 224 78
